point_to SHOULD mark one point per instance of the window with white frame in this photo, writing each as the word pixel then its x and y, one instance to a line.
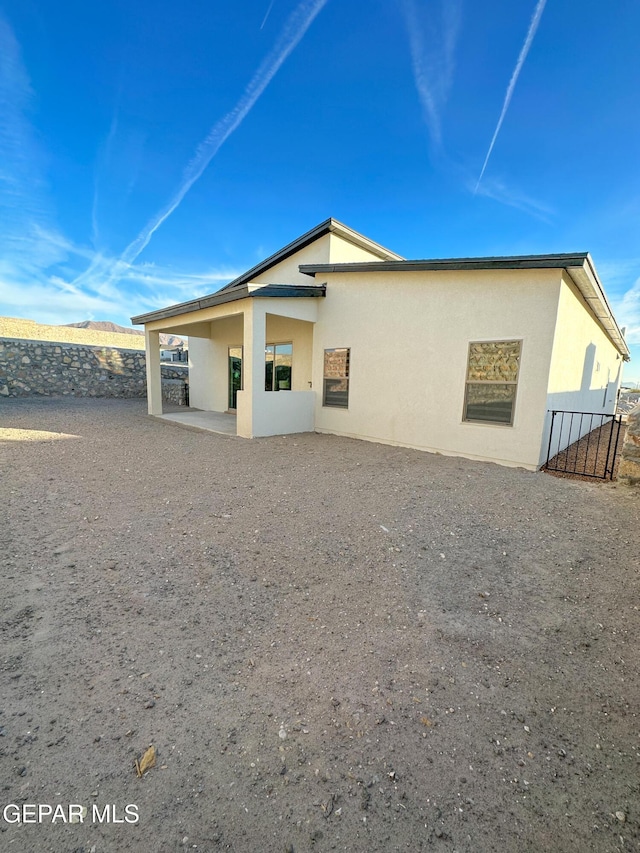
pixel 335 390
pixel 492 381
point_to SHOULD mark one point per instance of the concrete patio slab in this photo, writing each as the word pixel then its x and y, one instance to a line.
pixel 220 422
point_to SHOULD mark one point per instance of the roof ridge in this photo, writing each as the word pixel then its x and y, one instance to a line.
pixel 327 226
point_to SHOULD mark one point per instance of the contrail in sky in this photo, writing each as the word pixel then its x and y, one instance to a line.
pixel 296 26
pixel 264 21
pixel 432 60
pixel 533 26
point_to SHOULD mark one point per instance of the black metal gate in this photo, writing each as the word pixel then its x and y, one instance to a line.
pixel 584 443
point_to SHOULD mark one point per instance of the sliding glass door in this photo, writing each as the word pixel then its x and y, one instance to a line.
pixel 235 376
pixel 277 367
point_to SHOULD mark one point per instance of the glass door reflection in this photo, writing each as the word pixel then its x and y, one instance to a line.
pixel 235 376
pixel 277 367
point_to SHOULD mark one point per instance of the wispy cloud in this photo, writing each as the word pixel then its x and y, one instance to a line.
pixel 104 155
pixel 627 311
pixel 433 34
pixel 23 197
pixel 295 27
pixel 15 98
pixel 117 168
pixel 43 274
pixel 621 280
pixel 617 273
pixel 533 26
pixel 500 191
pixel 432 44
pixel 105 273
pixel 52 294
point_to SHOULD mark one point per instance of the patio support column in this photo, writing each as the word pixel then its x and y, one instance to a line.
pixel 253 368
pixel 154 377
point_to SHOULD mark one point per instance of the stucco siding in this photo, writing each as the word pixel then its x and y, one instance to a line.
pixel 281 412
pixel 586 368
pixel 208 357
pixel 209 364
pixel 282 330
pixel 331 248
pixel 342 251
pixel 200 370
pixel 409 335
pixel 211 331
pixel 287 272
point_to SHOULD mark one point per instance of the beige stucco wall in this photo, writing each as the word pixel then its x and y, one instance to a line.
pixel 208 356
pixel 343 252
pixel 212 331
pixel 200 370
pixel 205 389
pixel 331 248
pixel 585 366
pixel 209 364
pixel 282 330
pixel 278 413
pixel 409 335
pixel 585 370
pixel 287 272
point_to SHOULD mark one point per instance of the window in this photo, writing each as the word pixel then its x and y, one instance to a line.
pixel 336 378
pixel 277 367
pixel 492 379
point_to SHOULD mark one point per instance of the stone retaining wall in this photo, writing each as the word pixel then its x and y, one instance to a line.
pixel 629 471
pixel 34 368
pixel 41 367
pixel 174 391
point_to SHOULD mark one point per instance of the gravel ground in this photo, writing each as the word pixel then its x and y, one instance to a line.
pixel 596 454
pixel 331 644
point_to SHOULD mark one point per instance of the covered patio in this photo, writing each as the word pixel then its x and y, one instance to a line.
pixel 250 359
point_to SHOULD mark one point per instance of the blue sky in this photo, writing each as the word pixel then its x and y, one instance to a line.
pixel 150 152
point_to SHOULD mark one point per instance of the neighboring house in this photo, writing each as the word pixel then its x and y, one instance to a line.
pixel 174 354
pixel 336 334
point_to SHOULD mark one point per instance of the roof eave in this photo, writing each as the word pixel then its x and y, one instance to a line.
pixel 270 291
pixel 588 283
pixel 329 226
pixel 444 264
pixel 578 265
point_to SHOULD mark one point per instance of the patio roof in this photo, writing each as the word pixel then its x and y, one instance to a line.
pixel 287 291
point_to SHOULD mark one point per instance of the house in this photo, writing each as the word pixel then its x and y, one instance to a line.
pixel 336 334
pixel 174 354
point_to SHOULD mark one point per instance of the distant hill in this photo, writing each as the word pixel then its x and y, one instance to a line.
pixel 107 326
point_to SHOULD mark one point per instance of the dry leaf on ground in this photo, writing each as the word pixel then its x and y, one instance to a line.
pixel 147 761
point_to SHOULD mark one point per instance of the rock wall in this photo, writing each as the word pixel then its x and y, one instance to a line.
pixel 629 471
pixel 174 391
pixel 46 368
pixel 29 368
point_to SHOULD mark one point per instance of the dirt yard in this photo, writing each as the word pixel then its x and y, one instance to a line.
pixel 331 644
pixel 596 454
